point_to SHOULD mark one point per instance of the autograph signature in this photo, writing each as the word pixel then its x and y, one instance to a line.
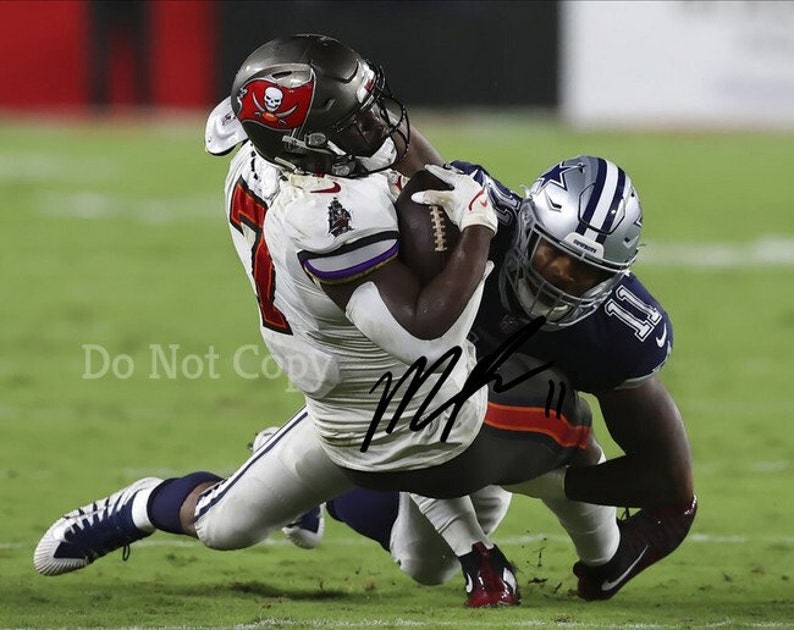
pixel 486 371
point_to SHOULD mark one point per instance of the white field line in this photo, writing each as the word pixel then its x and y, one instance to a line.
pixel 476 623
pixel 775 250
pixel 93 205
pixel 47 169
pixel 345 541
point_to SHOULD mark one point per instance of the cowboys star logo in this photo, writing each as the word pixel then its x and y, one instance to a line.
pixel 556 176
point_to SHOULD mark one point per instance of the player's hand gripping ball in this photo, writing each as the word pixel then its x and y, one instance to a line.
pixel 427 236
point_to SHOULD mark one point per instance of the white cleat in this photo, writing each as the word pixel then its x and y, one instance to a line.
pixel 74 541
pixel 307 530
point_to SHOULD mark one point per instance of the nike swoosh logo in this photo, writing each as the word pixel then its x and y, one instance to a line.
pixel 335 188
pixel 661 339
pixel 608 585
pixel 480 199
pixel 469 584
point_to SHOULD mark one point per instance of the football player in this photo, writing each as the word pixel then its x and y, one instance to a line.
pixel 309 200
pixel 564 251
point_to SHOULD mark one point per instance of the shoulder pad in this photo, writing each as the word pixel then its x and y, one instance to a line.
pixel 343 228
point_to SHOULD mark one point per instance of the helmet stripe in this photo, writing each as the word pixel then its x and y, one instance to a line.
pixel 620 190
pixel 586 219
pixel 602 198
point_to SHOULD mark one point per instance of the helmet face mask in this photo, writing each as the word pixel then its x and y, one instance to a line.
pixel 307 102
pixel 585 210
pixel 538 296
pixel 378 117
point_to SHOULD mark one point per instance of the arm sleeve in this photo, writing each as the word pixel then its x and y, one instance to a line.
pixel 368 312
pixel 352 260
pixel 344 229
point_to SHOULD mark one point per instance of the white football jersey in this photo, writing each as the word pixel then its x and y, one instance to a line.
pixel 292 231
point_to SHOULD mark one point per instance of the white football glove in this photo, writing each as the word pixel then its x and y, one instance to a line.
pixel 467 204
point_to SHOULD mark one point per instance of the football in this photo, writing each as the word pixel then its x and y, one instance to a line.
pixel 427 236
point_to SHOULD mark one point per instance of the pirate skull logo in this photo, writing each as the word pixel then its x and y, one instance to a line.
pixel 273 98
pixel 278 107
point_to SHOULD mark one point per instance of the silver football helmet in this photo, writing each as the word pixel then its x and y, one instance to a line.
pixel 586 207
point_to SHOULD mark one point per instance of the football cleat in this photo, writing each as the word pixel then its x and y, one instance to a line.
pixel 490 579
pixel 307 530
pixel 645 538
pixel 77 539
pixel 262 438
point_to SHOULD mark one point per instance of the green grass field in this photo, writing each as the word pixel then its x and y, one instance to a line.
pixel 113 234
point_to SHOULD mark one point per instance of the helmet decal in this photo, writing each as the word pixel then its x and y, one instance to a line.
pixel 281 108
pixel 603 209
pixel 556 175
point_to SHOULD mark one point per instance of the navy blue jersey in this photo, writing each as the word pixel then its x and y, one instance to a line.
pixel 629 337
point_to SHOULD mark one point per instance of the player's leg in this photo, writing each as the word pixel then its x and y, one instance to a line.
pixel 489 576
pixel 114 522
pixel 78 538
pixel 551 414
pixel 645 538
pixel 305 530
pixel 592 528
pixel 397 523
pixel 416 546
pixel 288 477
pixel 611 552
pixel 371 513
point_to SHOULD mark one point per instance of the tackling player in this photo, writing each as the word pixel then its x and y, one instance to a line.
pixel 309 202
pixel 564 252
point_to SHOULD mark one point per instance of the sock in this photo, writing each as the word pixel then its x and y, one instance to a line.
pixel 138 514
pixel 455 520
pixel 592 528
pixel 368 512
pixel 165 501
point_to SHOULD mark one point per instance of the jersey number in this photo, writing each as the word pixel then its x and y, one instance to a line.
pixel 633 312
pixel 248 210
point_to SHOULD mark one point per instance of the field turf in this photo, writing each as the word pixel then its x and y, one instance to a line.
pixel 112 236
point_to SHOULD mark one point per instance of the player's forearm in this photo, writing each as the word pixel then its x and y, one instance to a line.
pixel 656 469
pixel 439 304
pixel 420 153
pixel 631 481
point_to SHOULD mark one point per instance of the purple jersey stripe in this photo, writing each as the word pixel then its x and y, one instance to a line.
pixel 355 270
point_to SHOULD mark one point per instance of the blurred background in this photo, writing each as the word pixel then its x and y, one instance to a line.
pixel 674 62
pixel 128 333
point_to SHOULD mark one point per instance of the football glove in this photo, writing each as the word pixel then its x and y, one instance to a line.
pixel 467 204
